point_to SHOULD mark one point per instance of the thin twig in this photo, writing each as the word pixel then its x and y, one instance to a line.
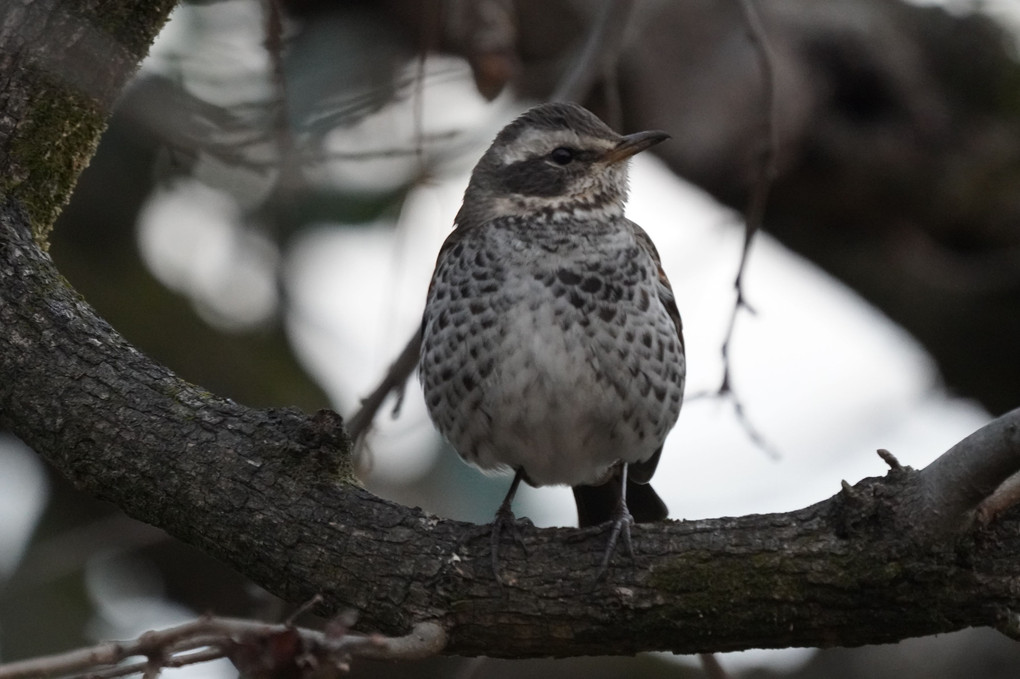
pixel 431 26
pixel 1005 496
pixel 889 459
pixel 210 638
pixel 752 432
pixel 601 46
pixel 713 670
pixel 192 658
pixel 611 93
pixel 969 478
pixel 425 640
pixel 395 380
pixel 754 214
pixel 289 161
pixel 304 608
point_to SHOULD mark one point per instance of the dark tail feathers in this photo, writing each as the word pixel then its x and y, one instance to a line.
pixel 596 504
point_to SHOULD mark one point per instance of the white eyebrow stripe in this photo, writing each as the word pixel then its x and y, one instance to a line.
pixel 538 142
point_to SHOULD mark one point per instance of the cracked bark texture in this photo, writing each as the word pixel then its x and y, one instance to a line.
pixel 270 492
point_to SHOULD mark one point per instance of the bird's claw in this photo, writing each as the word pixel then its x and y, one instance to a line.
pixel 505 521
pixel 621 524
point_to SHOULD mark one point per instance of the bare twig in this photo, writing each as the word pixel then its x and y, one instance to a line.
pixel 969 476
pixel 752 432
pixel 754 215
pixel 428 40
pixel 304 608
pixel 601 47
pixel 425 640
pixel 395 380
pixel 243 641
pixel 176 661
pixel 289 159
pixel 713 670
pixel 889 459
pixel 1005 496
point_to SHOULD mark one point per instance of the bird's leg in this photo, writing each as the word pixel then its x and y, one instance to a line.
pixel 505 520
pixel 622 521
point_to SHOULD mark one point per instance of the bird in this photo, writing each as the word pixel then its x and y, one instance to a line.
pixel 551 344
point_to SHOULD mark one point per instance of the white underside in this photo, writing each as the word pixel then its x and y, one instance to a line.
pixel 569 428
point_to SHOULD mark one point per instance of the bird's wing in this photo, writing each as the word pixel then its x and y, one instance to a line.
pixel 641 472
pixel 666 296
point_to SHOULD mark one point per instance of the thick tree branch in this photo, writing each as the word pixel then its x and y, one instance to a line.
pixel 64 65
pixel 270 493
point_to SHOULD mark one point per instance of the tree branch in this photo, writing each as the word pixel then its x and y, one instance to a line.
pixel 63 67
pixel 754 211
pixel 601 48
pixel 271 493
pixel 957 483
pixel 394 382
pixel 257 649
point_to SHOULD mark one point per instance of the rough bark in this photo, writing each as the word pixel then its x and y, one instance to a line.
pixel 63 65
pixel 270 493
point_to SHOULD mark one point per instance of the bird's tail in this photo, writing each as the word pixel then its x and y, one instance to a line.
pixel 596 504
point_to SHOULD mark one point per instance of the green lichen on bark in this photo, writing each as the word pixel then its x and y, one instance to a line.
pixel 52 146
pixel 134 25
pixel 58 117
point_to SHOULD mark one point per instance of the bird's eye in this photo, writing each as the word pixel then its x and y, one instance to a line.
pixel 562 155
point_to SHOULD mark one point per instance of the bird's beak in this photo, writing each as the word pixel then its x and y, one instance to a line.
pixel 634 143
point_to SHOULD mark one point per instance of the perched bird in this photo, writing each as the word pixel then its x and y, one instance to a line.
pixel 551 342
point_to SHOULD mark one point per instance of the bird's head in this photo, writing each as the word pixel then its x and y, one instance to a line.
pixel 556 160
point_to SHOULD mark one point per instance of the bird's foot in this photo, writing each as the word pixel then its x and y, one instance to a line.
pixel 505 522
pixel 621 522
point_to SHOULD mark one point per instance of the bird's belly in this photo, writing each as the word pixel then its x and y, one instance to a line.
pixel 557 420
pixel 562 398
